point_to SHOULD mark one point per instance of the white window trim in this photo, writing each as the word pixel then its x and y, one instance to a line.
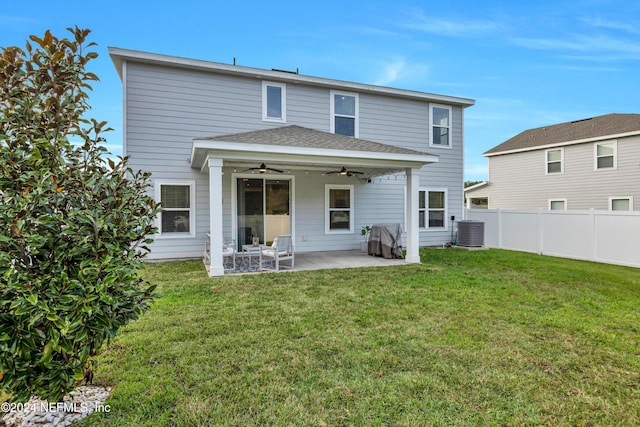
pixel 431 126
pixel 546 161
pixel 356 124
pixel 283 95
pixel 327 209
pixel 557 200
pixel 629 198
pixel 192 209
pixel 427 209
pixel 615 155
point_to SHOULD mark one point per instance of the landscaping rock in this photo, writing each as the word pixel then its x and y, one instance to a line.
pixel 78 404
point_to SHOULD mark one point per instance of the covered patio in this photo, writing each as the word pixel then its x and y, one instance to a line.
pixel 302 151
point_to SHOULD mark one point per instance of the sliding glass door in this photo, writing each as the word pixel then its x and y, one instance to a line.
pixel 264 209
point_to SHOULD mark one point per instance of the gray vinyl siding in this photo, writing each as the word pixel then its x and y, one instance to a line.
pixel 518 180
pixel 166 108
pixel 386 206
pixel 405 123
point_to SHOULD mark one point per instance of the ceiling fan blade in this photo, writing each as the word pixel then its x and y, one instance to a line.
pixel 263 168
pixel 344 172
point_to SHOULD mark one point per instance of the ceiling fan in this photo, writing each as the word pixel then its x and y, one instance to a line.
pixel 263 169
pixel 344 172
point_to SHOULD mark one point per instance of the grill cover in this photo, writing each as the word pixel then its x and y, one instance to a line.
pixel 384 240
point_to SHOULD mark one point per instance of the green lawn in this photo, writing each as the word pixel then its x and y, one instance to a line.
pixel 466 338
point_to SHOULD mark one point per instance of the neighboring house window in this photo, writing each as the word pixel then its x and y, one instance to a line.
pixel 621 203
pixel 274 97
pixel 605 155
pixel 432 208
pixel 440 126
pixel 478 203
pixel 344 113
pixel 558 204
pixel 555 160
pixel 339 208
pixel 177 217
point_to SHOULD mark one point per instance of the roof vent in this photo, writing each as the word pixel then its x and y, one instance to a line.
pixel 297 71
pixel 583 120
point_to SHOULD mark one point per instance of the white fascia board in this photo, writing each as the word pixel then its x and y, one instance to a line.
pixel 246 151
pixel 478 185
pixel 563 144
pixel 119 54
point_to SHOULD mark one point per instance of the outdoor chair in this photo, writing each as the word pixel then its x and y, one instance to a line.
pixel 280 250
pixel 229 251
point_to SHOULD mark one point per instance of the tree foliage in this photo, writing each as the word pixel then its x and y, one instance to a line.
pixel 73 222
pixel 468 184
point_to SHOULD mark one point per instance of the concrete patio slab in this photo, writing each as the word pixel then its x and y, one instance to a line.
pixel 341 259
pixel 306 261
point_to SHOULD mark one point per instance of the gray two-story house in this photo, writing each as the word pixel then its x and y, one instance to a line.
pixel 592 163
pixel 238 152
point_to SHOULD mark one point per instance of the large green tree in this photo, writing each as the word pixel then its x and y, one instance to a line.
pixel 73 222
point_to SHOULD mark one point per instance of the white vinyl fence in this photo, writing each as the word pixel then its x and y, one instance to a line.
pixel 603 236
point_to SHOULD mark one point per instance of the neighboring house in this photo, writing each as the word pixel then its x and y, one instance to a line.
pixel 585 164
pixel 239 152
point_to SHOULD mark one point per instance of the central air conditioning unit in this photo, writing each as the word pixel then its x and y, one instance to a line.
pixel 470 233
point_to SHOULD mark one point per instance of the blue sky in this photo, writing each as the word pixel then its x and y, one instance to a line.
pixel 527 64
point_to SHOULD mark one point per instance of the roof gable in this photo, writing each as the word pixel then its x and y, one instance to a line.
pixel 571 132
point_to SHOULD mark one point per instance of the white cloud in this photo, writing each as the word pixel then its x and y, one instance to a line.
pixel 596 45
pixel 397 70
pixel 450 27
pixel 589 69
pixel 611 25
pixel 379 32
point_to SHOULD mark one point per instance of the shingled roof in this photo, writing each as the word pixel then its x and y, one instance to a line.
pixel 594 127
pixel 298 136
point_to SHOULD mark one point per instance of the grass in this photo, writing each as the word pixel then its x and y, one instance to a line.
pixel 466 338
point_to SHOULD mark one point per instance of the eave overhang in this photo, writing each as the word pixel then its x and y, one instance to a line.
pixel 303 157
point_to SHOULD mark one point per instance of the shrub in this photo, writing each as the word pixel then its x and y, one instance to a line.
pixel 73 222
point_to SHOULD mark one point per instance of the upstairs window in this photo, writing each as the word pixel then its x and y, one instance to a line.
pixel 555 160
pixel 274 102
pixel 344 113
pixel 440 126
pixel 177 217
pixel 605 155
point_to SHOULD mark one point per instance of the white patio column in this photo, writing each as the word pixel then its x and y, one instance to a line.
pixel 413 227
pixel 215 216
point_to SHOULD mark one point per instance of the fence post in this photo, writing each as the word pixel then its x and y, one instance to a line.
pixel 594 245
pixel 539 233
pixel 499 220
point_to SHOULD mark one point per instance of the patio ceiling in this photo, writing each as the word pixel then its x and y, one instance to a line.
pixel 299 148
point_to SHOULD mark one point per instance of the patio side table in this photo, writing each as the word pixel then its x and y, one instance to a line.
pixel 251 251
